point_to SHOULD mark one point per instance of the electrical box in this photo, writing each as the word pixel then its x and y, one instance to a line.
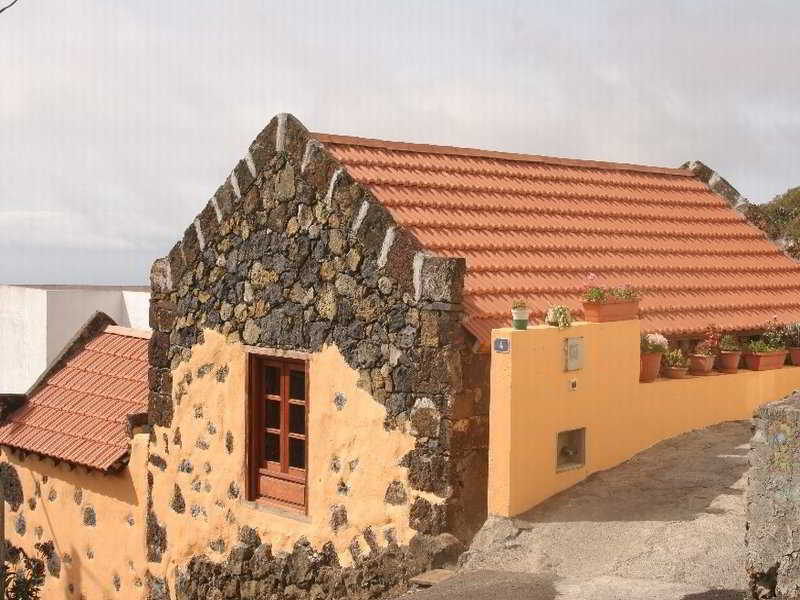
pixel 573 353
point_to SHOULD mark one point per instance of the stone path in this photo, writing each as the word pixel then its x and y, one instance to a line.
pixel 668 524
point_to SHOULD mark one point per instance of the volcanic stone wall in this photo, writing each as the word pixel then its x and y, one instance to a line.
pixel 293 254
pixel 773 501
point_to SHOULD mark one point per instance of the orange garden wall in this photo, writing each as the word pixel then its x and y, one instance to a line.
pixel 532 401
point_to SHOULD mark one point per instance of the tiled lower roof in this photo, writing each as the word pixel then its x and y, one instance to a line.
pixel 78 411
pixel 535 228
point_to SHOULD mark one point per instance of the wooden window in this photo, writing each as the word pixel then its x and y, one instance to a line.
pixel 278 431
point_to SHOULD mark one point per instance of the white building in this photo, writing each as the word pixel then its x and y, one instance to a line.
pixel 36 321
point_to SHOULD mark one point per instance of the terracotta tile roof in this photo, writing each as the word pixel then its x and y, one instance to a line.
pixel 534 227
pixel 78 410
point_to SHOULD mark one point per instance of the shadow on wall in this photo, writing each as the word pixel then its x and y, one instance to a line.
pixel 675 480
pixel 118 486
pixel 716 595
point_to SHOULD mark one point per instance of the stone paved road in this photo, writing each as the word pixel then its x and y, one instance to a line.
pixel 667 524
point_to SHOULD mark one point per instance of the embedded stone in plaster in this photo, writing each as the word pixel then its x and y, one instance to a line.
pixel 38 531
pixel 204 370
pixel 222 374
pixel 176 437
pixel 32 502
pixel 336 464
pixel 19 524
pixel 116 581
pixel 177 503
pixel 198 512
pixel 353 464
pixel 12 487
pixel 343 488
pixel 201 444
pixel 217 545
pixel 77 496
pixel 211 428
pixel 339 400
pixel 52 495
pixel 89 516
pixel 207 467
pixel 229 442
pixel 233 490
pixel 157 461
pixel 396 493
pixel 428 518
pixel 185 466
pixel 338 518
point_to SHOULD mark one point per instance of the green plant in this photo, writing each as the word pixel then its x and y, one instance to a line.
pixel 675 358
pixel 759 345
pixel 599 294
pixel 519 305
pixel 774 334
pixel 791 334
pixel 653 342
pixel 558 316
pixel 729 343
pixel 709 345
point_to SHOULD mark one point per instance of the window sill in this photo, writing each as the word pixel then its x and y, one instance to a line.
pixel 276 509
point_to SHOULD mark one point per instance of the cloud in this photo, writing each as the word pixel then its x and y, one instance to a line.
pixel 119 120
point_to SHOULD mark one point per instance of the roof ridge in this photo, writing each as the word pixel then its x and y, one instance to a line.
pixel 512 268
pixel 494 154
pixel 670 288
pixel 621 231
pixel 144 334
pixel 496 173
pixel 477 207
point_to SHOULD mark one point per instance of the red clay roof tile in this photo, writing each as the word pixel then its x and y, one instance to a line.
pixel 534 228
pixel 78 413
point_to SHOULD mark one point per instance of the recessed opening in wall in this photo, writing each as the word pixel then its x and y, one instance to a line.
pixel 570 449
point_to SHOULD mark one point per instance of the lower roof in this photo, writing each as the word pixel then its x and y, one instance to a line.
pixel 78 411
pixel 535 228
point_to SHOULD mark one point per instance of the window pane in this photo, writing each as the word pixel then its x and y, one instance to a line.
pixel 273 417
pixel 297 453
pixel 272 447
pixel 272 381
pixel 297 418
pixel 297 385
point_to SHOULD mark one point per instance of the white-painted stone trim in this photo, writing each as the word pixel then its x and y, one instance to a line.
pixel 419 260
pixel 332 185
pixel 235 185
pixel 362 212
pixel 312 146
pixel 388 240
pixel 200 237
pixel 251 164
pixel 217 210
pixel 280 135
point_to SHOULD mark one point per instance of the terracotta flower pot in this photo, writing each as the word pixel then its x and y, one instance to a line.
pixel 675 372
pixel 614 310
pixel 794 354
pixel 729 361
pixel 700 364
pixel 765 361
pixel 649 366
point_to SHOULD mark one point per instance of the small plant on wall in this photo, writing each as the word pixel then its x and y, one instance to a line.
pixel 652 347
pixel 791 334
pixel 701 360
pixel 730 352
pixel 675 364
pixel 608 303
pixel 767 351
pixel 24 575
pixel 558 316
pixel 519 314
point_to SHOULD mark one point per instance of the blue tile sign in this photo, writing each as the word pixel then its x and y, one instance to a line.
pixel 502 344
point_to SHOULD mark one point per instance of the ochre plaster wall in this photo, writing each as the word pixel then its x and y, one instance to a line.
pixel 532 402
pixel 94 520
pixel 351 457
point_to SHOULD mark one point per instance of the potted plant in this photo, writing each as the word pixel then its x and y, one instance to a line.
pixel 519 314
pixel 701 361
pixel 652 347
pixel 602 304
pixel 675 364
pixel 791 334
pixel 558 316
pixel 767 351
pixel 730 352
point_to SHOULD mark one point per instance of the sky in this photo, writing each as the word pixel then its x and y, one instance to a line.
pixel 119 120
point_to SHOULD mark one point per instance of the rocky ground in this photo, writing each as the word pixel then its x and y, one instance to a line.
pixel 668 524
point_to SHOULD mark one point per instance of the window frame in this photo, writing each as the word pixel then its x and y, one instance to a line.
pixel 256 401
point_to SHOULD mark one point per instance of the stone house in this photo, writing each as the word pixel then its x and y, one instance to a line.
pixel 318 368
